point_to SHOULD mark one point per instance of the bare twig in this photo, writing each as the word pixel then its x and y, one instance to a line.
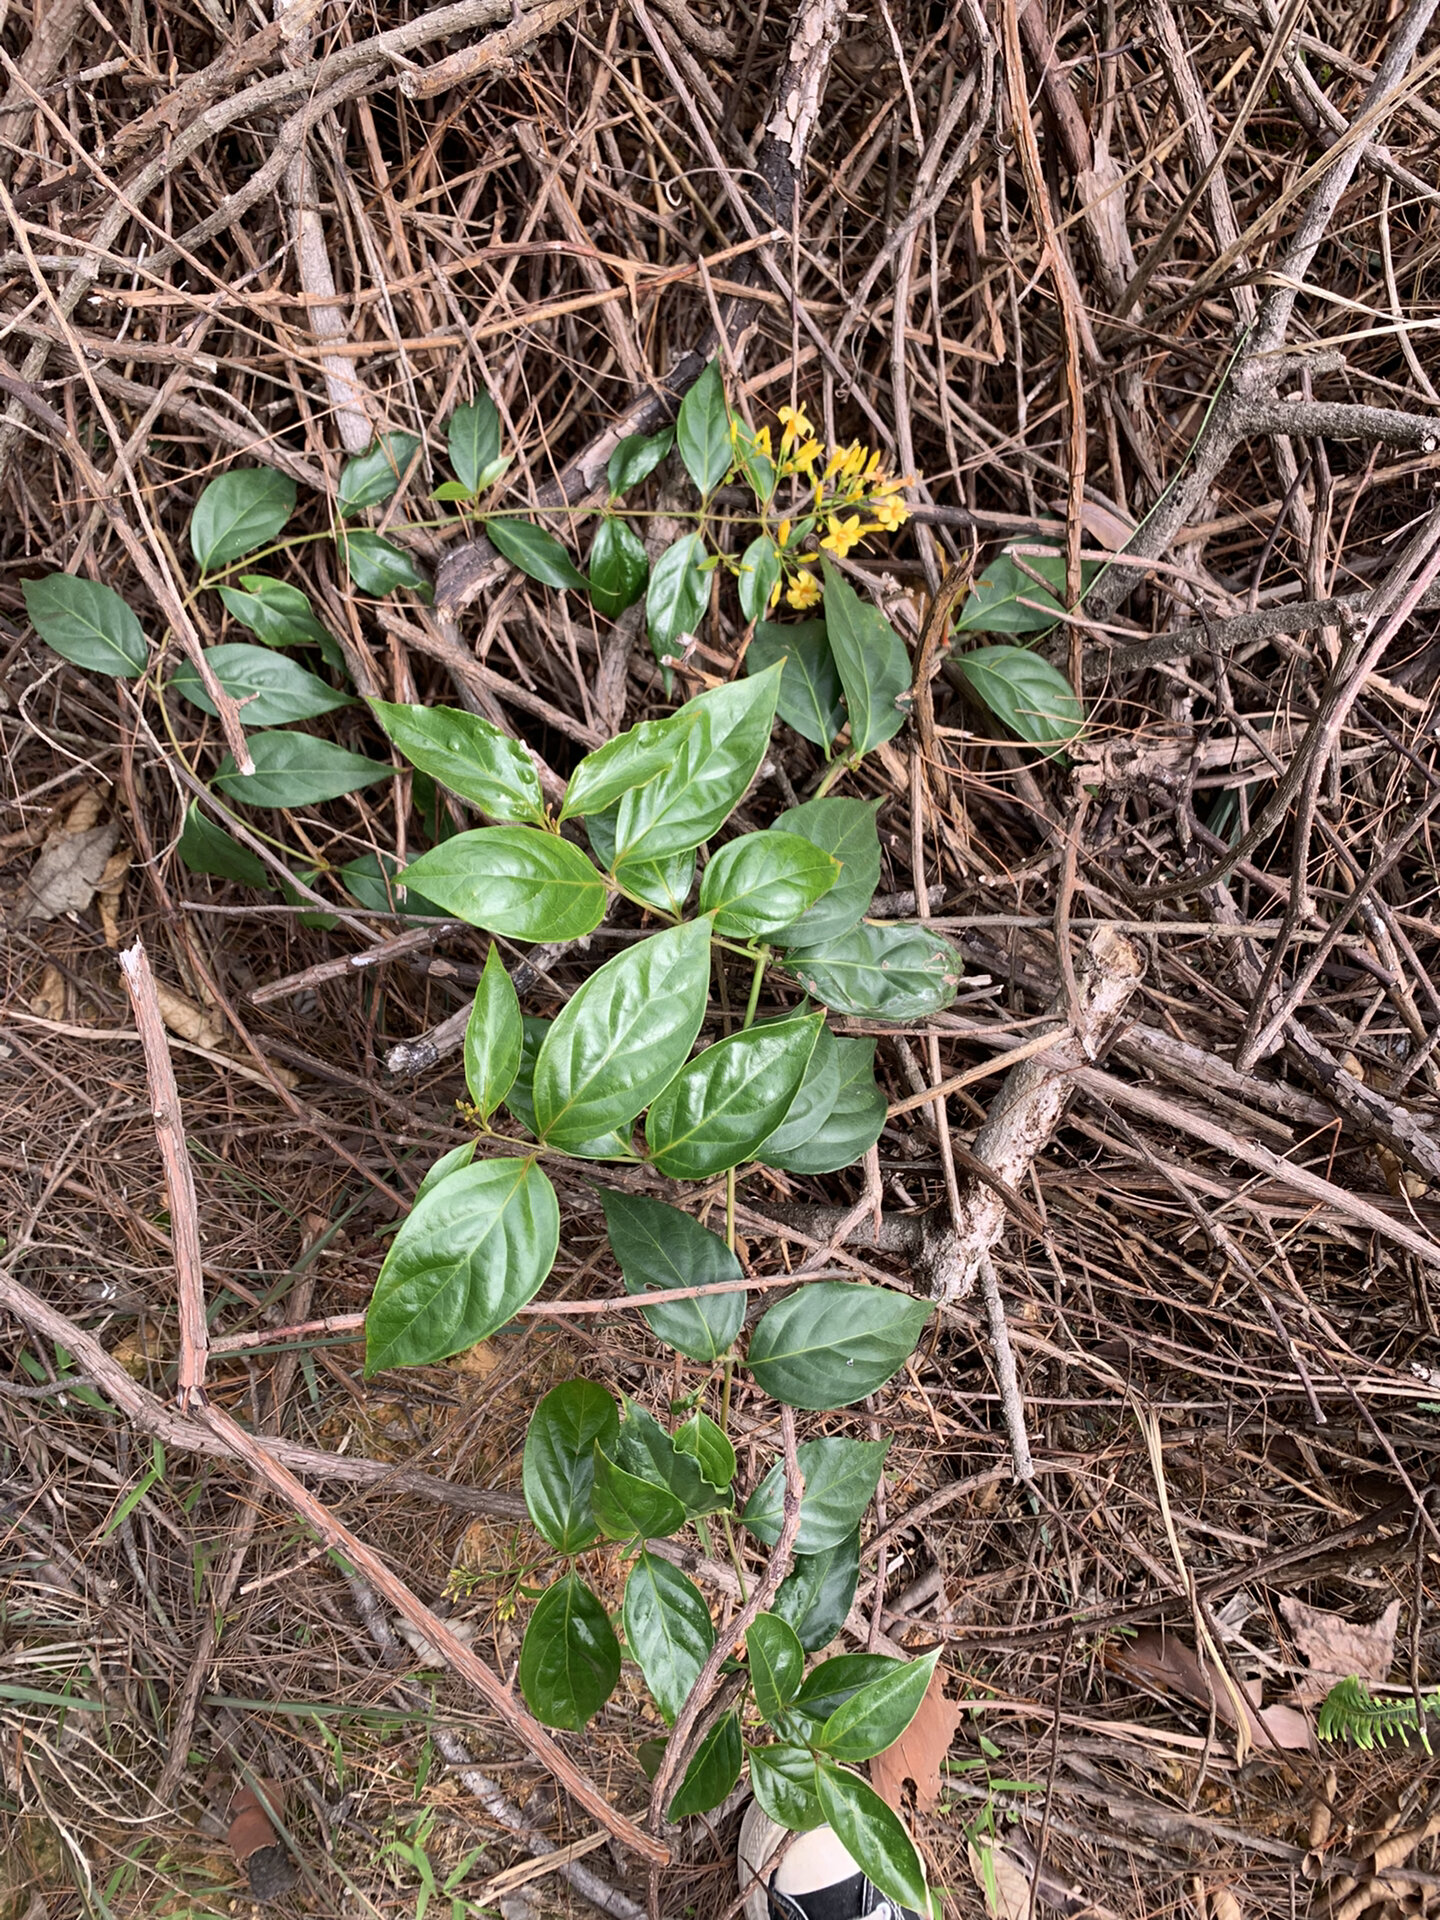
pixel 179 1179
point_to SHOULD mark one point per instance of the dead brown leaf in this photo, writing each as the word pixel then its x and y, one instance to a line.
pixel 69 869
pixel 920 1751
pixel 51 1001
pixel 189 1022
pixel 1336 1648
pixel 107 894
pixel 1163 1662
pixel 480 1361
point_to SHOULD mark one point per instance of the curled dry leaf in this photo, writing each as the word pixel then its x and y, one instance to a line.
pixel 1336 1648
pixel 255 1843
pixel 1164 1664
pixel 67 873
pixel 920 1751
pixel 426 1654
pixel 186 1020
pixel 51 1001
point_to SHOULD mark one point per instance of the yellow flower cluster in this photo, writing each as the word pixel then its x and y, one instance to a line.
pixel 852 477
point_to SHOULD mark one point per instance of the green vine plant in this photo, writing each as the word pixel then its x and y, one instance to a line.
pixel 774 519
pixel 614 1080
pixel 1351 1712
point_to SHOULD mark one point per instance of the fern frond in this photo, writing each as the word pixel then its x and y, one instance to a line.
pixel 1350 1712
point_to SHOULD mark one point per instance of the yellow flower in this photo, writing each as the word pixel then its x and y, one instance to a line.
pixel 804 593
pixel 833 464
pixel 782 534
pixel 872 465
pixel 854 460
pixel 890 514
pixel 795 425
pixel 894 486
pixel 774 597
pixel 843 535
pixel 762 442
pixel 806 456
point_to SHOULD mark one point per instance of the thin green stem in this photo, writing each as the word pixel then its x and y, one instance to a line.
pixel 834 772
pixel 762 958
pixel 734 1556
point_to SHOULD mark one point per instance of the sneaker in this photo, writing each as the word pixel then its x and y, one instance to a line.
pixel 816 1880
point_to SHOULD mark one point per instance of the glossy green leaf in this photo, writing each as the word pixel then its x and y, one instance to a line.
pixel 559 1463
pixel 729 1099
pixel 847 829
pixel 377 566
pixel 871 660
pixel 623 1036
pixel 840 1478
pixel 665 884
pixel 271 689
pixel 311 877
pixel 875 1717
pixel 534 552
pixel 280 615
pixel 631 1507
pixel 631 759
pixel 658 1246
pixel 677 596
pixel 368 479
pixel 242 510
pixel 466 1258
pixel 702 431
pixel 881 972
pixel 832 1342
pixel 87 624
pixel 571 1659
pixel 707 1446
pixel 297 770
pixel 756 582
pixel 645 1449
pixel 752 460
pixel 812 1106
pixel 764 882
pixel 449 491
pixel 783 1780
pixel 713 1772
pixel 854 1123
pixel 636 458
pixel 447 1164
pixel 874 1837
pixel 817 1594
pixel 1024 692
pixel 520 1099
pixel 777 1664
pixel 810 691
pixel 1005 599
pixel 470 756
pixel 206 848
pixel 513 880
pixel 373 880
pixel 619 568
pixel 715 759
pixel 493 1037
pixel 473 441
pixel 668 1630
pixel 833 1682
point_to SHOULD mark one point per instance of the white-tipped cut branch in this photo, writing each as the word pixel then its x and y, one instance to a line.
pixel 179 1180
